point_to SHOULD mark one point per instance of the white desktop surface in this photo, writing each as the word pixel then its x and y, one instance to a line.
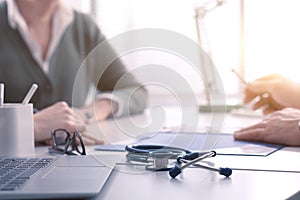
pixel 171 119
pixel 201 184
pixel 273 177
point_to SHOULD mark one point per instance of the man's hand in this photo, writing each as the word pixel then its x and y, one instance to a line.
pixel 280 127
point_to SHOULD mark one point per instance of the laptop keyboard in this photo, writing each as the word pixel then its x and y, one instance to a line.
pixel 14 172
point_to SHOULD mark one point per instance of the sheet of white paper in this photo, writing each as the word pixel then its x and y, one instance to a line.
pixel 248 149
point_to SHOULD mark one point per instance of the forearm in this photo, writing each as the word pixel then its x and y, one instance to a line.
pixel 134 100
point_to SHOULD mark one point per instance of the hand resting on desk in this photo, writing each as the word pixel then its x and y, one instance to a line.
pixel 280 127
pixel 97 111
pixel 60 115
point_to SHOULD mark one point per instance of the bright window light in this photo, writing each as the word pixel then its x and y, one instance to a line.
pixel 271 33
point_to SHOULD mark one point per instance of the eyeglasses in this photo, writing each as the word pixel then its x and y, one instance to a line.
pixel 63 143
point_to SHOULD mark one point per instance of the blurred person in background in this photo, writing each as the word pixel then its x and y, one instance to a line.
pixel 45 42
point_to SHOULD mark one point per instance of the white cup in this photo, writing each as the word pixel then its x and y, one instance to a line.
pixel 16 130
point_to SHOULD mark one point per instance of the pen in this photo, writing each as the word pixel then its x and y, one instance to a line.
pixel 239 76
pixel 30 94
pixel 1 94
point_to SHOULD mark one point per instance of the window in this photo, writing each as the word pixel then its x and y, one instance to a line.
pixel 271 36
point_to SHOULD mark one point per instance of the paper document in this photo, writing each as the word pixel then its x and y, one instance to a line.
pixel 223 144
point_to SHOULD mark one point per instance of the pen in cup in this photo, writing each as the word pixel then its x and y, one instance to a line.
pixel 1 94
pixel 30 94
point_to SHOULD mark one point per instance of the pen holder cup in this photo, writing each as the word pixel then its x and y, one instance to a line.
pixel 16 130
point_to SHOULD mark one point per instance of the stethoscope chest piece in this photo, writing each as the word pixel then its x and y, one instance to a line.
pixel 160 160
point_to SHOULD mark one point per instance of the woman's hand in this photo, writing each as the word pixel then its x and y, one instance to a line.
pixel 100 110
pixel 60 115
pixel 273 92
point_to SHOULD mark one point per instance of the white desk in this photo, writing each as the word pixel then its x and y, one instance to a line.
pixel 174 118
pixel 201 184
pixel 273 177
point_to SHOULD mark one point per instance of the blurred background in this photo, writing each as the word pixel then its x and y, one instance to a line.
pixel 255 37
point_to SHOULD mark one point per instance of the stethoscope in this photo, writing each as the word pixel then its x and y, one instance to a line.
pixel 158 156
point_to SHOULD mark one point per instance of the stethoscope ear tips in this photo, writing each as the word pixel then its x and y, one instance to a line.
pixel 225 171
pixel 175 171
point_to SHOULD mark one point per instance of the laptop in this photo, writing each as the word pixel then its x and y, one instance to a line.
pixel 52 177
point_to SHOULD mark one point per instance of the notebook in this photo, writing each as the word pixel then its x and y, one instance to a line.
pixel 52 177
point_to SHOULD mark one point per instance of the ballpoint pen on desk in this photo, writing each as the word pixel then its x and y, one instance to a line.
pixel 30 94
pixel 1 94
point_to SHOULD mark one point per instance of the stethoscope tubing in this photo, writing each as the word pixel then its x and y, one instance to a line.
pixel 143 153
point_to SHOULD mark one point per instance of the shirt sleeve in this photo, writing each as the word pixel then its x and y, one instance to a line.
pixel 110 75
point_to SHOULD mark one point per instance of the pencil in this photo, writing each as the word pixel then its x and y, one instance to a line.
pixel 30 94
pixel 1 94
